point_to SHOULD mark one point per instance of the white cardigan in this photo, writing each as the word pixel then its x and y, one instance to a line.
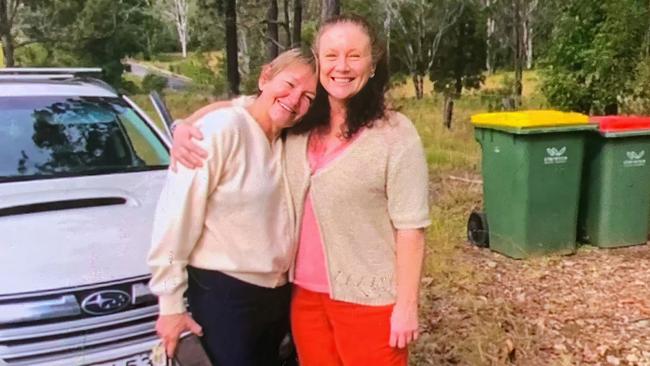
pixel 233 214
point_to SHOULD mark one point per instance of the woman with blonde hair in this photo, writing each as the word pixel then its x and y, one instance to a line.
pixel 223 232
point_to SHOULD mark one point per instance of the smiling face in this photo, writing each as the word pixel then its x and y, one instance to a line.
pixel 287 95
pixel 345 59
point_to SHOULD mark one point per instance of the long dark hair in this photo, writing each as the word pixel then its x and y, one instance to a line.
pixel 362 109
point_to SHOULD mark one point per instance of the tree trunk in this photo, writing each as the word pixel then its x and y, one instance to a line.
pixel 272 30
pixel 287 22
pixel 491 27
pixel 518 54
pixel 243 53
pixel 448 111
pixel 387 27
pixel 231 47
pixel 418 83
pixel 459 67
pixel 8 49
pixel 297 23
pixel 528 41
pixel 6 13
pixel 329 8
pixel 180 18
pixel 184 47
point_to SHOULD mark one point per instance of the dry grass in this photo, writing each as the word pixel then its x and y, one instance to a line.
pixel 531 82
pixel 492 82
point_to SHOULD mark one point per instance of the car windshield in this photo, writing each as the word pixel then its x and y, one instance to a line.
pixel 47 137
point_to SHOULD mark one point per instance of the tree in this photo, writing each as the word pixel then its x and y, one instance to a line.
pixel 177 12
pixel 209 24
pixel 521 34
pixel 272 30
pixel 89 33
pixel 297 23
pixel 286 24
pixel 518 48
pixel 8 12
pixel 418 30
pixel 490 38
pixel 461 58
pixel 515 15
pixel 597 45
pixel 329 8
pixel 230 11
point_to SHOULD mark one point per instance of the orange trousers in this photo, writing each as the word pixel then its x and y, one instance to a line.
pixel 336 333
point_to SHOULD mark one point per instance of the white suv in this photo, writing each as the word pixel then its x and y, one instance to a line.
pixel 81 169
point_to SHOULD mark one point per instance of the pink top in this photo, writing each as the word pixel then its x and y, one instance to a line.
pixel 311 265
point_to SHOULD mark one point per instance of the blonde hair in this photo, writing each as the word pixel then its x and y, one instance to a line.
pixel 291 57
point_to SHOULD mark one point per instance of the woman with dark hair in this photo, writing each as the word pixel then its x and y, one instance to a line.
pixel 358 178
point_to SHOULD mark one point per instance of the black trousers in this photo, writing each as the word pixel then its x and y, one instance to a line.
pixel 243 324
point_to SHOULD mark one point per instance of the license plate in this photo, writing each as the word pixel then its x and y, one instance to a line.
pixel 140 359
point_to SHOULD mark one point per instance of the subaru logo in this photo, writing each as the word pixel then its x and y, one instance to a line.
pixel 105 302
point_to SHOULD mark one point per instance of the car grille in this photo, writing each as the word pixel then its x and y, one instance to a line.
pixel 42 342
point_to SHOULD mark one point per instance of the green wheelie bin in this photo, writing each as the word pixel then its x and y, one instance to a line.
pixel 531 166
pixel 615 204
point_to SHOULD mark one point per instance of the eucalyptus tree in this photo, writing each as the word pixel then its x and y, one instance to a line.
pixel 460 61
pixel 329 8
pixel 417 30
pixel 8 12
pixel 178 13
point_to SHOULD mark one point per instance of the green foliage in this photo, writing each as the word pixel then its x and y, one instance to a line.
pixel 461 55
pixel 308 33
pixel 129 86
pixel 88 33
pixel 32 55
pixel 207 34
pixel 153 82
pixel 638 102
pixel 596 47
pixel 195 67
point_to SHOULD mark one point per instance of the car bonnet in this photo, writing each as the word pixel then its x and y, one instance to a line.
pixel 86 230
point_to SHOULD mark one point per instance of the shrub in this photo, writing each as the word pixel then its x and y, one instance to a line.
pixel 129 87
pixel 153 82
pixel 639 100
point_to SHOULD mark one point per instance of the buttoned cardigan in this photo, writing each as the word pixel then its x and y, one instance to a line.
pixel 375 187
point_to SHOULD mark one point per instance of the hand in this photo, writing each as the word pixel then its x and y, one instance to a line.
pixel 184 150
pixel 170 328
pixel 403 325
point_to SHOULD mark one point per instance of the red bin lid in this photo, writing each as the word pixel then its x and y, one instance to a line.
pixel 621 123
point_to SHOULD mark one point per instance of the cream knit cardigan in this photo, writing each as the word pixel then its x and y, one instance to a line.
pixel 231 215
pixel 378 185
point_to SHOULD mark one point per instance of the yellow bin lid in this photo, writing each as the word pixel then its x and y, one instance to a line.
pixel 530 119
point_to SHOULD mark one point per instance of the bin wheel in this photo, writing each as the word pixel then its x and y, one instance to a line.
pixel 477 229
